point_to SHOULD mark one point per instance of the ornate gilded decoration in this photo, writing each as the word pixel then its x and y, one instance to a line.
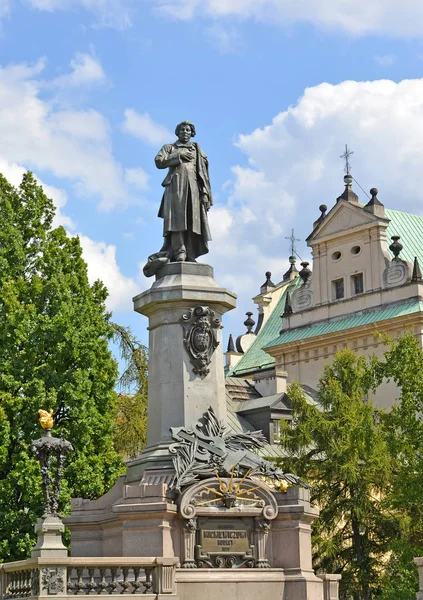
pixel 46 419
pixel 200 337
pixel 242 496
pixel 230 493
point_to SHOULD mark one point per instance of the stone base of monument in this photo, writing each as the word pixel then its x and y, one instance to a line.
pixel 199 494
pixel 49 531
pixel 253 548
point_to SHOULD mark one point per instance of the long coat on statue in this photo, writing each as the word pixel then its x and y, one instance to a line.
pixel 187 195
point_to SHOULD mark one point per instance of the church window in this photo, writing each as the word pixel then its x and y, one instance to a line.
pixel 356 250
pixel 357 284
pixel 336 255
pixel 338 289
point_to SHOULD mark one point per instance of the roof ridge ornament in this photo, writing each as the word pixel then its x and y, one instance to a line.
pixel 417 274
pixel 268 283
pixel 396 247
pixel 346 155
pixel 348 193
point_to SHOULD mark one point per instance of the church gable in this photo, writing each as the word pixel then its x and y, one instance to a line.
pixel 343 217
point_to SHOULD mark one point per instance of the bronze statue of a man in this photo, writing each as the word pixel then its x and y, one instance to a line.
pixel 186 200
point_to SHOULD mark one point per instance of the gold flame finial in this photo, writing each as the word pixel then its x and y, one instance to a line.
pixel 46 418
pixel 283 486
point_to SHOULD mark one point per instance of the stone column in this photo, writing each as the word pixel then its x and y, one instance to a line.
pixel 330 586
pixel 179 389
pixel 262 529
pixel 190 528
pixel 291 544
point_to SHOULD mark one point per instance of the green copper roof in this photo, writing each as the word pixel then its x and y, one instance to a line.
pixel 256 358
pixel 410 228
pixel 363 318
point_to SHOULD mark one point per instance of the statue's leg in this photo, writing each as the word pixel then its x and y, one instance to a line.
pixel 178 246
pixel 190 246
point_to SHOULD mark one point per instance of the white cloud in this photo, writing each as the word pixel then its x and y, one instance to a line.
pixel 137 177
pixel 86 70
pixel 144 128
pixel 293 166
pixel 72 144
pixel 108 13
pixel 14 172
pixel 99 256
pixel 354 16
pixel 385 60
pixel 224 39
pixel 4 7
pixel 102 264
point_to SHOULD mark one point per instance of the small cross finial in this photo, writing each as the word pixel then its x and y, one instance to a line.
pixel 346 156
pixel 292 239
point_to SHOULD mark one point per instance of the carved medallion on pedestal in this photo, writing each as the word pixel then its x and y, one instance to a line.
pixel 200 339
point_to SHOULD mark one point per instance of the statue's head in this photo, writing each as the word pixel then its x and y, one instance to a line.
pixel 185 130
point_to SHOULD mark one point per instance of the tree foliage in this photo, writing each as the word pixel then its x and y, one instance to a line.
pixel 341 447
pixel 131 423
pixel 54 334
pixel 366 468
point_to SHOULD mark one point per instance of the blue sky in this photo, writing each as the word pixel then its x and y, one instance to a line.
pixel 90 90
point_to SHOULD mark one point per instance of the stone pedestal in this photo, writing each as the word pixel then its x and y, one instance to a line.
pixel 177 394
pixel 265 537
pixel 49 544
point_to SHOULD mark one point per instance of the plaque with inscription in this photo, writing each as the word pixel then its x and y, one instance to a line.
pixel 224 540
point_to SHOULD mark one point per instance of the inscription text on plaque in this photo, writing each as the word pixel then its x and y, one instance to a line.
pixel 221 540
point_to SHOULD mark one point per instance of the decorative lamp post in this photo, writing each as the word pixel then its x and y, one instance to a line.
pixel 51 453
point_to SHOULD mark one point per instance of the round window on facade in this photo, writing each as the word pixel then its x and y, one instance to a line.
pixel 355 250
pixel 336 255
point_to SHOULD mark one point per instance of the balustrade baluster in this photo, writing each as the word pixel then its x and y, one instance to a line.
pixel 125 584
pixel 91 585
pixel 102 586
pixel 148 584
pixel 137 583
pixel 71 584
pixel 80 586
pixel 114 584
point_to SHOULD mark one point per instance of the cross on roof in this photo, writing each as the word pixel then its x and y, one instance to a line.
pixel 346 156
pixel 292 239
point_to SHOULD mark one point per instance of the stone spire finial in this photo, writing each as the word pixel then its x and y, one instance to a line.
pixel 374 205
pixel 292 271
pixel 231 345
pixel 267 284
pixel 305 272
pixel 417 274
pixel 348 194
pixel 395 247
pixel 288 307
pixel 323 208
pixel 249 322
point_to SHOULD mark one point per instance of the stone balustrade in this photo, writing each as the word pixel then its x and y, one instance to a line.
pixel 330 586
pixel 152 577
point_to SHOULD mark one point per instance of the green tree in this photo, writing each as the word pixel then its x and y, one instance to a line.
pixel 131 423
pixel 54 334
pixel 341 447
pixel 403 365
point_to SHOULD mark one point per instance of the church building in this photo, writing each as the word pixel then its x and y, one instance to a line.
pixel 364 281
